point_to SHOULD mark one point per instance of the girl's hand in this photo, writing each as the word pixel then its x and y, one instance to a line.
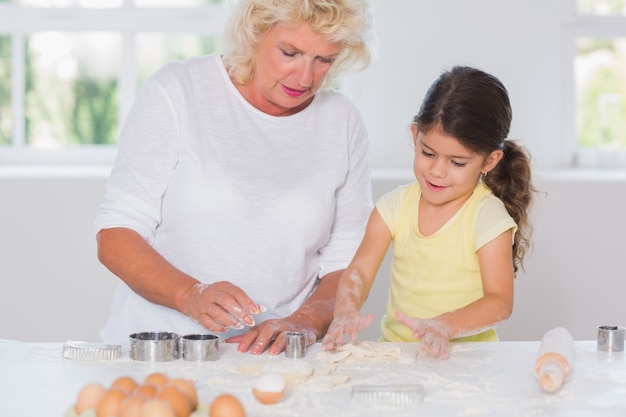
pixel 349 323
pixel 433 332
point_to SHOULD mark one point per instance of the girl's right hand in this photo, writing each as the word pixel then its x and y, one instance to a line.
pixel 349 323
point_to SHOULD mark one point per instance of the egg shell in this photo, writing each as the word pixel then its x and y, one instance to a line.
pixel 177 399
pixel 125 383
pixel 149 390
pixel 226 405
pixel 156 378
pixel 188 387
pixel 111 403
pixel 269 388
pixel 89 396
pixel 132 405
pixel 156 407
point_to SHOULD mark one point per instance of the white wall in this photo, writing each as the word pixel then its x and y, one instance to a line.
pixel 54 289
pixel 521 42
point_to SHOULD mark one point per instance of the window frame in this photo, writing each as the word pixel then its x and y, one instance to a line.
pixel 18 21
pixel 610 26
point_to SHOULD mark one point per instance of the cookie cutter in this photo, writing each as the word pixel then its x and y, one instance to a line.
pixel 86 351
pixel 611 338
pixel 199 347
pixel 387 396
pixel 154 346
pixel 295 346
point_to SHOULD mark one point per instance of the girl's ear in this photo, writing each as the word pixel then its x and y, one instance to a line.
pixel 492 160
pixel 414 132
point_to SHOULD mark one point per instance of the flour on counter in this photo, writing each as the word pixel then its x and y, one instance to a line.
pixel 357 351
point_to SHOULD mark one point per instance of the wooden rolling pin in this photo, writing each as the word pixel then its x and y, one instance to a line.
pixel 554 359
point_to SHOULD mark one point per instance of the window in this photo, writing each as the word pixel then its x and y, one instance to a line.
pixel 599 78
pixel 70 69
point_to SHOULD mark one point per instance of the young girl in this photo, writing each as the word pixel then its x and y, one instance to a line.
pixel 460 232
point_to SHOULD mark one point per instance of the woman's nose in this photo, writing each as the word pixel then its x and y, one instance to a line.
pixel 304 75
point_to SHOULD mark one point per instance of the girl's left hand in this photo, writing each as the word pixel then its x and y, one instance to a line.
pixel 433 332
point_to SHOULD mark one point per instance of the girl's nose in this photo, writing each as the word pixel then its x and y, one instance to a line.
pixel 438 168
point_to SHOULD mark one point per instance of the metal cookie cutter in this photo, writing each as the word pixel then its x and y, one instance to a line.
pixel 295 345
pixel 154 346
pixel 611 338
pixel 200 347
pixel 85 351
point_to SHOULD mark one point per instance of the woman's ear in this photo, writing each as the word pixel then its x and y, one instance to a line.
pixel 492 160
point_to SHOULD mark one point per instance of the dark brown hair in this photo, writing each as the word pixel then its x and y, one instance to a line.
pixel 474 107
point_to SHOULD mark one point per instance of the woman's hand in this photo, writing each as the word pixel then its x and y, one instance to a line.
pixel 349 323
pixel 270 335
pixel 219 306
pixel 434 333
pixel 312 319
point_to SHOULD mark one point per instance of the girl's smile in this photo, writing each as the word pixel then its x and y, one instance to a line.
pixel 446 170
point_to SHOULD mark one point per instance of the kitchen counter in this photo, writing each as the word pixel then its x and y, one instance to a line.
pixel 479 379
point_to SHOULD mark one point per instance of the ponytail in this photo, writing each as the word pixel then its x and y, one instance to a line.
pixel 511 182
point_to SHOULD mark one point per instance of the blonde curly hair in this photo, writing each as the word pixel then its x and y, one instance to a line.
pixel 346 21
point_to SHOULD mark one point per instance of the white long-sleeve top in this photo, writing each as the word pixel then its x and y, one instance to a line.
pixel 226 192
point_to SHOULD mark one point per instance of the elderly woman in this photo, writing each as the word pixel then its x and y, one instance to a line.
pixel 241 188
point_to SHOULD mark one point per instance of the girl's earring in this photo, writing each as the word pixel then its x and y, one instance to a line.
pixel 483 175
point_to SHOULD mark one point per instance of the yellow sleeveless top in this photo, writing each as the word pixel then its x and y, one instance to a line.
pixel 439 273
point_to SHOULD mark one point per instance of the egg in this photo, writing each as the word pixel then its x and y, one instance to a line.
pixel 226 405
pixel 124 383
pixel 132 405
pixel 89 396
pixel 156 378
pixel 176 399
pixel 157 408
pixel 111 403
pixel 188 387
pixel 149 390
pixel 269 388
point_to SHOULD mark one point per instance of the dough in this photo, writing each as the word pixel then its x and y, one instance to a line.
pixel 355 351
pixel 292 370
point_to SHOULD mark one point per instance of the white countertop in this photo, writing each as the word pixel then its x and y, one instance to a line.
pixel 479 379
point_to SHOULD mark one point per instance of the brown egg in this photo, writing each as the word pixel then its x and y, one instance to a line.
pixel 157 408
pixel 156 378
pixel 177 399
pixel 269 389
pixel 226 405
pixel 89 396
pixel 124 383
pixel 132 405
pixel 188 387
pixel 111 403
pixel 149 390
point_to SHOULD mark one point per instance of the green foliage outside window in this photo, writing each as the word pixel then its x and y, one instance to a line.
pixel 93 118
pixel 601 7
pixel 6 120
pixel 601 95
pixel 68 99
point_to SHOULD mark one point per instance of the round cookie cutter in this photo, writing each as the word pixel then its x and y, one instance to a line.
pixel 86 351
pixel 611 338
pixel 154 346
pixel 199 347
pixel 295 345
